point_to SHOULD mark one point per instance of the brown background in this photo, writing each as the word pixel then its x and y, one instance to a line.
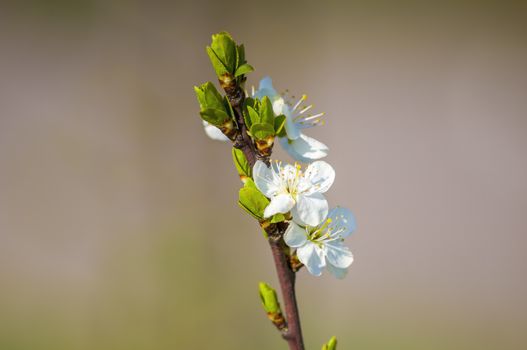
pixel 119 227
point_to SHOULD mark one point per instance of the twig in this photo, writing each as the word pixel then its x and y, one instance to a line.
pixel 286 276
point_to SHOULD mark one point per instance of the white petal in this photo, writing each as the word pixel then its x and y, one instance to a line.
pixel 310 210
pixel 304 149
pixel 292 131
pixel 266 89
pixel 264 179
pixel 343 221
pixel 338 254
pixel 282 203
pixel 321 175
pixel 214 133
pixel 295 236
pixel 280 107
pixel 311 256
pixel 266 83
pixel 336 271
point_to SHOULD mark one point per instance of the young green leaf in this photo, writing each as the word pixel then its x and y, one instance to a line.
pixel 262 131
pixel 240 55
pixel 225 49
pixel 271 305
pixel 217 64
pixel 209 97
pixel 252 200
pixel 214 116
pixel 269 298
pixel 254 117
pixel 241 164
pixel 243 69
pixel 266 111
pixel 331 345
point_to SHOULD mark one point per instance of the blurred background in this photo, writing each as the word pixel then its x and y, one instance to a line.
pixel 119 227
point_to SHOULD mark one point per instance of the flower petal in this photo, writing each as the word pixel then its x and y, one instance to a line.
pixel 337 271
pixel 310 210
pixel 282 203
pixel 321 175
pixel 214 132
pixel 304 149
pixel 295 236
pixel 292 131
pixel 343 221
pixel 264 179
pixel 266 89
pixel 338 254
pixel 311 256
pixel 280 107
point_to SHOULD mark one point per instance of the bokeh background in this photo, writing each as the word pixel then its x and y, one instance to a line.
pixel 119 227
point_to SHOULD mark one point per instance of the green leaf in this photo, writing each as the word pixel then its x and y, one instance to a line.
pixel 331 345
pixel 254 117
pixel 243 69
pixel 241 163
pixel 269 298
pixel 266 111
pixel 262 131
pixel 209 97
pixel 252 200
pixel 225 49
pixel 217 64
pixel 240 55
pixel 214 116
pixel 279 123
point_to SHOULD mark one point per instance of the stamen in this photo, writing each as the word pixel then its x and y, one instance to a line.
pixel 303 98
pixel 305 109
pixel 314 116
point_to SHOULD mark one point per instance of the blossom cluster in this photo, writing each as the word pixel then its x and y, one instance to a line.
pixel 315 232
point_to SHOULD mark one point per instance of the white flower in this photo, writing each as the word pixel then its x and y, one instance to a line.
pixel 290 189
pixel 301 147
pixel 323 245
pixel 214 132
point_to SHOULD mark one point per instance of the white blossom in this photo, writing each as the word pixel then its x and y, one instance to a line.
pixel 300 146
pixel 291 189
pixel 323 245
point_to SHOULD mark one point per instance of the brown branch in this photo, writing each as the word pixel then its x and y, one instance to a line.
pixel 286 276
pixel 293 333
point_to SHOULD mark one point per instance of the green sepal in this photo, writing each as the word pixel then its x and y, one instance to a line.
pixel 241 163
pixel 277 218
pixel 214 116
pixel 266 111
pixel 243 69
pixel 252 200
pixel 331 345
pixel 209 97
pixel 279 125
pixel 226 50
pixel 262 131
pixel 269 298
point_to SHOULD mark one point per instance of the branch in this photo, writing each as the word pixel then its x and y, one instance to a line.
pixel 286 276
pixel 293 333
